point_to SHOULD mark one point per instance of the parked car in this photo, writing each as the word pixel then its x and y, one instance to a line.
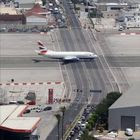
pixel 128 132
pixel 39 110
pixel 47 108
pixel 27 111
pixel 13 102
pixel 83 126
pixel 20 102
pixel 112 134
pixel 121 28
pixel 72 133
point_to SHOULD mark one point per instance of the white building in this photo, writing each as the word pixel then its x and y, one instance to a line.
pixel 111 10
pixel 132 19
pixel 38 16
pixel 27 4
pixel 36 19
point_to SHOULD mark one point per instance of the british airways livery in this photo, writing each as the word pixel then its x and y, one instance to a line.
pixel 65 56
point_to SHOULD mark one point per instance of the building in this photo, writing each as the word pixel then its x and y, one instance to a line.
pixel 131 18
pixel 125 112
pixel 15 127
pixel 38 16
pixel 27 4
pixel 35 19
pixel 111 10
pixel 9 15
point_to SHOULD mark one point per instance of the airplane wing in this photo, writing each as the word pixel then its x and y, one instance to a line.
pixel 70 58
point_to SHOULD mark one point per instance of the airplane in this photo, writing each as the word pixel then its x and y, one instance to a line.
pixel 64 56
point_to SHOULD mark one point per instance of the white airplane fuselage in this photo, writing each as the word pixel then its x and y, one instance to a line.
pixel 68 55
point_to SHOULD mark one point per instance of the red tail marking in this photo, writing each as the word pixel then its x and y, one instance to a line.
pixel 43 52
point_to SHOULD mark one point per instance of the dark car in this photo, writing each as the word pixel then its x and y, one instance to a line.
pixel 47 108
pixel 27 111
pixel 20 102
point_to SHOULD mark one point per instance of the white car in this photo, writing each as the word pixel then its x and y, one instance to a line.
pixel 83 126
pixel 112 134
pixel 39 110
pixel 128 132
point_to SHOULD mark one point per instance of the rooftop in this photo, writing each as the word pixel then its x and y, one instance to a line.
pixel 37 9
pixel 131 98
pixel 8 10
pixel 11 119
pixel 25 1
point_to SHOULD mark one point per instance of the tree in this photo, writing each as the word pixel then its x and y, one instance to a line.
pixel 102 108
pixel 58 117
pixel 63 109
pixel 86 136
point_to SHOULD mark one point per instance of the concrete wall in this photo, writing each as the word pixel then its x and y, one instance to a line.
pixel 115 117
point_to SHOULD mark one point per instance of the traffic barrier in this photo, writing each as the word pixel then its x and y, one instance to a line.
pixel 32 83
pixel 130 33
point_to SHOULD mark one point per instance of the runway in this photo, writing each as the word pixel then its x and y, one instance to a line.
pixel 31 62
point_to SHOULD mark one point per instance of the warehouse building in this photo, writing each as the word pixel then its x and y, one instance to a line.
pixel 125 112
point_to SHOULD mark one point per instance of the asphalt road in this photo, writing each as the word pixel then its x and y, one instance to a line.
pixel 23 62
pixel 86 75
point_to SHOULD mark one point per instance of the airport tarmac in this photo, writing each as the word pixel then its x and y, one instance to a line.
pixel 126 50
pixel 17 62
pixel 124 45
pixel 17 59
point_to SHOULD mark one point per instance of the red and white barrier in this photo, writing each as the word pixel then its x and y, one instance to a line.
pixel 130 33
pixel 29 84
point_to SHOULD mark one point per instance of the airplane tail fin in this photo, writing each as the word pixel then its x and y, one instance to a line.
pixel 41 46
pixel 42 49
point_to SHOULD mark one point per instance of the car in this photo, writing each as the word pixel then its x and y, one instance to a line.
pixel 79 123
pixel 20 102
pixel 112 134
pixel 121 28
pixel 83 118
pixel 47 108
pixel 13 102
pixel 129 132
pixel 27 111
pixel 39 110
pixel 80 133
pixel 83 126
pixel 72 133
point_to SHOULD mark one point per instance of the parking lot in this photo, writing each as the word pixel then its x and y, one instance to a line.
pixel 48 120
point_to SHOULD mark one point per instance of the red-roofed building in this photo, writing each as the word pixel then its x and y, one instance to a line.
pixel 37 9
pixel 38 16
pixel 15 127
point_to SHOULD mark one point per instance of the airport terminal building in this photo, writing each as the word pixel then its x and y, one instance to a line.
pixel 125 112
